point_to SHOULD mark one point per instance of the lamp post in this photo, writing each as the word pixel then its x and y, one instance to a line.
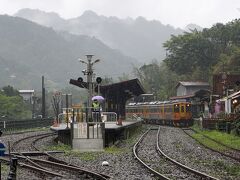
pixel 89 74
pixel 228 101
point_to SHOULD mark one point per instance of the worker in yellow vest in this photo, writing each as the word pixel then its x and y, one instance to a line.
pixel 96 105
pixel 96 110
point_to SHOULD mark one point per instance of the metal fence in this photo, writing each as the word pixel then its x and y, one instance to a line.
pixel 214 124
pixel 12 125
pixel 109 116
pixel 133 117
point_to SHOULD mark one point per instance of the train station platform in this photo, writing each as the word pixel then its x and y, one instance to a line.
pixel 112 131
pixel 109 126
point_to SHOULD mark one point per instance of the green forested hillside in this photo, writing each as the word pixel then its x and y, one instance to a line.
pixel 28 51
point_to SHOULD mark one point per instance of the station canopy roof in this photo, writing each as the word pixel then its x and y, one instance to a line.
pixel 126 89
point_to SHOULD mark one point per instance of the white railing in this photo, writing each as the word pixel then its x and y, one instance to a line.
pixel 109 116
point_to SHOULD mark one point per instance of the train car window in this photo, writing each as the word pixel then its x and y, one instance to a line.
pixel 188 107
pixel 176 108
pixel 167 109
pixel 182 108
pixel 164 108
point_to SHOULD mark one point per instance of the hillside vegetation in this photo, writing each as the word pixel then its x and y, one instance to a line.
pixel 194 56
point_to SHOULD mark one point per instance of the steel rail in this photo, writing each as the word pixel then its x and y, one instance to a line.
pixel 216 141
pixel 40 170
pixel 201 174
pixel 53 159
pixel 214 150
pixel 29 137
pixel 54 164
pixel 159 175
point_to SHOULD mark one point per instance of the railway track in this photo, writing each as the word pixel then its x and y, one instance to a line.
pixel 46 165
pixel 148 153
pixel 225 150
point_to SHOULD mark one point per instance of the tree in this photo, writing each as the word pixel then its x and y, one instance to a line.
pixel 148 76
pixel 190 51
pixel 158 79
pixel 10 91
pixel 13 107
pixel 229 62
pixel 56 103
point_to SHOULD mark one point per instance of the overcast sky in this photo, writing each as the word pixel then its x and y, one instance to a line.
pixel 178 13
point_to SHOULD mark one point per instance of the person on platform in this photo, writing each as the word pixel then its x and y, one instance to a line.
pixel 96 105
pixel 96 110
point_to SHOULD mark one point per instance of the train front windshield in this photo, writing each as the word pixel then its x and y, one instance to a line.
pixel 176 108
pixel 188 107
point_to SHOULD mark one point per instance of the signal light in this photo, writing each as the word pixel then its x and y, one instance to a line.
pixel 80 79
pixel 98 80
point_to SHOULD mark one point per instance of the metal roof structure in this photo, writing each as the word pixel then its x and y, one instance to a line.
pixel 202 94
pixel 193 83
pixel 26 91
pixel 117 94
pixel 130 87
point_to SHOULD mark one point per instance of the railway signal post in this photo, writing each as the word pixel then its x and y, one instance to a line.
pixel 89 84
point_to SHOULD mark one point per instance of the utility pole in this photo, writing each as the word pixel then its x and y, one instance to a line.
pixel 33 105
pixel 43 99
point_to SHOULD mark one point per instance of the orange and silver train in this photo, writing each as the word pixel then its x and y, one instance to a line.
pixel 175 113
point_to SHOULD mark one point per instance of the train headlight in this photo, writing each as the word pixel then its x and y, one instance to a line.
pixel 235 101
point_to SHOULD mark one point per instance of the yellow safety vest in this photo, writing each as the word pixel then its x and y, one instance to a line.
pixel 96 106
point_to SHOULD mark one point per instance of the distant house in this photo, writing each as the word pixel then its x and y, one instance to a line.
pixel 230 103
pixel 27 95
pixel 190 88
pixel 223 82
pixel 196 92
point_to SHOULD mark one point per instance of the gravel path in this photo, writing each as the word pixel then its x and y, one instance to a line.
pixel 176 144
pixel 147 153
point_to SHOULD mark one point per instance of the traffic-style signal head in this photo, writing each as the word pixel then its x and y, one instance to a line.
pixel 98 80
pixel 80 79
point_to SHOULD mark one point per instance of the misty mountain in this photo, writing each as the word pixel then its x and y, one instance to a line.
pixel 137 38
pixel 29 50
